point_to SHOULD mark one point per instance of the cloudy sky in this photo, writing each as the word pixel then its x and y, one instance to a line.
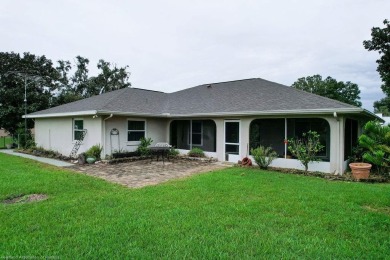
pixel 175 44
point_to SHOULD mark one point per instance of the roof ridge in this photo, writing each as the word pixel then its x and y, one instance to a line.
pixel 313 94
pixel 114 96
pixel 214 83
pixel 229 81
pixel 151 90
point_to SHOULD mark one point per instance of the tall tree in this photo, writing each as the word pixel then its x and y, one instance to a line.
pixel 381 42
pixel 35 73
pixel 110 78
pixel 346 92
pixel 81 85
pixel 80 79
pixel 49 85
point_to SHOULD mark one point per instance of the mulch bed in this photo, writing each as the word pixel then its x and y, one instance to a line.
pixel 374 178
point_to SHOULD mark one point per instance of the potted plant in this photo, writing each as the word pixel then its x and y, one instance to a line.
pixel 90 159
pixel 360 170
pixel 93 153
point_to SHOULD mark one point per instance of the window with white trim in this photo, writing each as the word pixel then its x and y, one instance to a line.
pixel 78 127
pixel 135 130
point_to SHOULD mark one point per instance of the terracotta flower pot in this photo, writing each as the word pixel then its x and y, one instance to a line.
pixel 360 170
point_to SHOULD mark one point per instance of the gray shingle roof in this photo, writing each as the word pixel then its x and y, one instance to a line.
pixel 250 95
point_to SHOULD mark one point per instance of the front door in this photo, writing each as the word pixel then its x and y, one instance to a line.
pixel 232 138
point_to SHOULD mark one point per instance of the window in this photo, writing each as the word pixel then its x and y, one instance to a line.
pixel 78 127
pixel 135 130
pixel 197 131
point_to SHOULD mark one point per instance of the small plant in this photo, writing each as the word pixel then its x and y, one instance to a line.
pixel 196 152
pixel 356 154
pixel 173 152
pixel 306 148
pixel 143 148
pixel 263 156
pixel 95 151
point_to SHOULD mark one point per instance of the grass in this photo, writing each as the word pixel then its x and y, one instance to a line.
pixel 4 140
pixel 233 213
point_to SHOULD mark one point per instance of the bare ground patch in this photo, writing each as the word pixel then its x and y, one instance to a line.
pixel 25 198
pixel 385 210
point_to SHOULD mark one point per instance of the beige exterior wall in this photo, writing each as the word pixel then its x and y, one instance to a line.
pixel 156 128
pixel 57 133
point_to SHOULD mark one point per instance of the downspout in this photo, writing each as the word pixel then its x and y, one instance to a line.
pixel 104 132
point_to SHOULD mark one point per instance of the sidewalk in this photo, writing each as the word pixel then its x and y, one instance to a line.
pixel 54 162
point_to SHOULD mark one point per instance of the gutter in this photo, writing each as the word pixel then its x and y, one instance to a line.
pixel 218 114
pixel 78 113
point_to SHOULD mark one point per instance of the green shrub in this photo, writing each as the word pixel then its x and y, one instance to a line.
pixel 95 151
pixel 306 148
pixel 263 156
pixel 143 148
pixel 173 152
pixel 375 142
pixel 196 152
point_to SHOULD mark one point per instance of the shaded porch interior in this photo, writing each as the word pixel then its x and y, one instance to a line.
pixel 274 133
pixel 188 134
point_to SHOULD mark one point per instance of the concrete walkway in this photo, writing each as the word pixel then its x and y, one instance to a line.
pixel 36 158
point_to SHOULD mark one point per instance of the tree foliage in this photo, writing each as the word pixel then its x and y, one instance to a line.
pixel 305 149
pixel 50 84
pixel 380 41
pixel 16 71
pixel 346 92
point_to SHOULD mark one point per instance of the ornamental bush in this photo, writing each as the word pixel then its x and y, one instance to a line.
pixel 263 156
pixel 305 149
pixel 143 149
pixel 375 142
pixel 95 151
pixel 196 152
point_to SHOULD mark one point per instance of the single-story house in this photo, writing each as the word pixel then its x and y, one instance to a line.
pixel 224 119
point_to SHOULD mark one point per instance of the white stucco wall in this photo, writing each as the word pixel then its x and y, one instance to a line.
pixel 57 133
pixel 155 128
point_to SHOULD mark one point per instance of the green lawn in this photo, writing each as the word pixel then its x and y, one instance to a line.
pixel 234 213
pixel 4 141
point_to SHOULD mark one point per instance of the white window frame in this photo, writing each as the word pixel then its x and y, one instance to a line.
pixel 127 130
pixel 74 130
pixel 190 133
